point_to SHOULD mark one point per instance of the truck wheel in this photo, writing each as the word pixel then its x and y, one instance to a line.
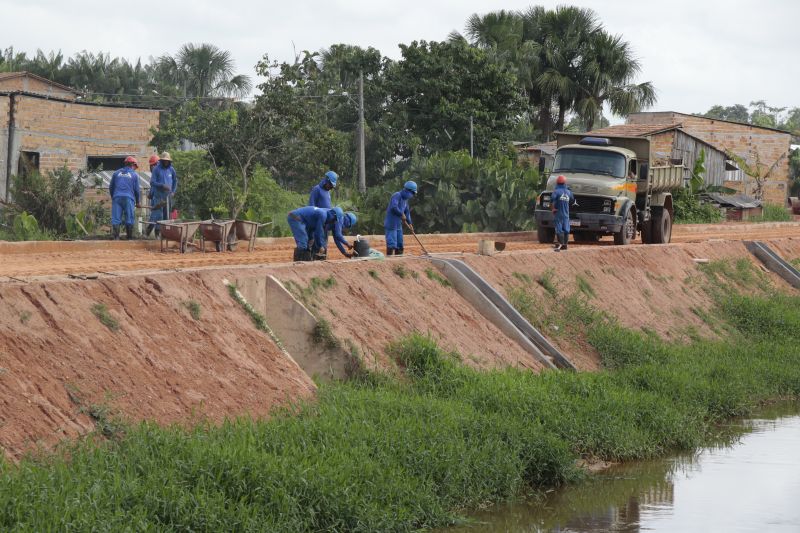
pixel 546 235
pixel 627 232
pixel 662 226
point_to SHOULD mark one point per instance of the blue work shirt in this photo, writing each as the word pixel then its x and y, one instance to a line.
pixel 161 176
pixel 562 198
pixel 398 206
pixel 125 183
pixel 314 219
pixel 335 226
pixel 319 196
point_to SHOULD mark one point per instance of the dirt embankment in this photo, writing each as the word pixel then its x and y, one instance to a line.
pixel 370 304
pixel 58 360
pixel 650 288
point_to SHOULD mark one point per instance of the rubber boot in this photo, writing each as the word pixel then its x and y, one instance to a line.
pixel 129 231
pixel 389 251
pixel 115 232
pixel 149 230
pixel 298 254
pixel 564 241
pixel 399 251
pixel 306 256
pixel 158 233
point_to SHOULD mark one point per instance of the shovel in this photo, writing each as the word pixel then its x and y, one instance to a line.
pixel 411 228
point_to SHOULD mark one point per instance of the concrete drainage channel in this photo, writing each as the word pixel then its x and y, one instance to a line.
pixel 491 304
pixel 774 262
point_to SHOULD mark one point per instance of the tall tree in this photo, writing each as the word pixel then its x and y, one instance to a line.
pixel 205 70
pixel 607 78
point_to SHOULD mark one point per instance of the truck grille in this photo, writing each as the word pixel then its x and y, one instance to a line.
pixel 587 204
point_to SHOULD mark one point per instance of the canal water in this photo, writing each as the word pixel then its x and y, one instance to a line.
pixel 748 481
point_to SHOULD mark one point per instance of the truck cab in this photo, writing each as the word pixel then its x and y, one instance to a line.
pixel 616 191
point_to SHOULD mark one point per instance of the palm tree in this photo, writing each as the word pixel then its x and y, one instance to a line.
pixel 205 70
pixel 607 77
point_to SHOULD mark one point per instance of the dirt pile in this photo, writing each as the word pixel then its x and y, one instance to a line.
pixel 370 304
pixel 650 288
pixel 173 347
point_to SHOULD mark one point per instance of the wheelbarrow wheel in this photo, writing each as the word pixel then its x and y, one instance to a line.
pixel 232 246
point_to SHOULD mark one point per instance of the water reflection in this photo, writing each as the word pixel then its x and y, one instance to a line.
pixel 748 480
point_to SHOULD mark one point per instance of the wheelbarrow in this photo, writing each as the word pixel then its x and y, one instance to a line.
pixel 247 230
pixel 178 231
pixel 219 232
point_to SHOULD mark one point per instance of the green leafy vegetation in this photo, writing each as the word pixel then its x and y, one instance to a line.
pixel 193 308
pixel 773 213
pixel 323 334
pixel 104 316
pixel 548 281
pixel 24 316
pixel 374 274
pixel 438 278
pixel 400 270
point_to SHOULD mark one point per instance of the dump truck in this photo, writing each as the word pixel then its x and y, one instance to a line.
pixel 619 189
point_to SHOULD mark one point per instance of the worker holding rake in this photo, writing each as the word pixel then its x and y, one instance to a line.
pixel 397 214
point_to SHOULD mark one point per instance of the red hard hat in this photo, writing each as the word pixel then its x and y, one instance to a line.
pixel 153 160
pixel 561 180
pixel 131 159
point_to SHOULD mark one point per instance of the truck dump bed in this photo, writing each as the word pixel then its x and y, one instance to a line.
pixel 666 178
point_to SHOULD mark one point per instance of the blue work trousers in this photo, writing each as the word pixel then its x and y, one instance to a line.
pixel 394 238
pixel 122 206
pixel 562 223
pixel 299 232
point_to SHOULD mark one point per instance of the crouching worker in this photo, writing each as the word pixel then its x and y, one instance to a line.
pixel 124 190
pixel 397 214
pixel 341 221
pixel 308 228
pixel 562 199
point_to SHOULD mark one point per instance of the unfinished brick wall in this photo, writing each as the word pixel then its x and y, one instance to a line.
pixel 68 133
pixel 33 85
pixel 755 145
pixel 661 145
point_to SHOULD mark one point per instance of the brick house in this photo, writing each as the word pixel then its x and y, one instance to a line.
pixel 765 148
pixel 40 132
pixel 25 82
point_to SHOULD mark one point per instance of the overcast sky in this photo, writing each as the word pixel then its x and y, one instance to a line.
pixel 697 53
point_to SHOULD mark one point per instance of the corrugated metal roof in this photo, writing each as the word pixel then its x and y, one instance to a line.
pixel 102 179
pixel 734 200
pixel 635 130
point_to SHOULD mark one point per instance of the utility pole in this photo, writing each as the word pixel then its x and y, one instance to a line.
pixel 362 164
pixel 471 135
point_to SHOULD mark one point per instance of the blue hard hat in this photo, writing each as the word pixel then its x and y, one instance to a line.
pixel 350 219
pixel 410 186
pixel 332 176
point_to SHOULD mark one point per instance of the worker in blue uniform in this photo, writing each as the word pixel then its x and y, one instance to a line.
pixel 335 226
pixel 163 186
pixel 321 192
pixel 308 228
pixel 562 198
pixel 397 214
pixel 124 191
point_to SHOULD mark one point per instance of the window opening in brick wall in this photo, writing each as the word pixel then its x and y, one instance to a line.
pixel 28 164
pixel 104 163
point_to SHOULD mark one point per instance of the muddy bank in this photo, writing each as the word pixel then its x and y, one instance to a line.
pixel 158 362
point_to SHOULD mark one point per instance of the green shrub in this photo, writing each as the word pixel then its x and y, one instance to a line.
pixel 773 213
pixel 104 316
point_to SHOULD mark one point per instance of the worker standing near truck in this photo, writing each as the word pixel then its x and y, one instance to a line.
pixel 308 228
pixel 321 192
pixel 163 185
pixel 562 199
pixel 124 191
pixel 397 214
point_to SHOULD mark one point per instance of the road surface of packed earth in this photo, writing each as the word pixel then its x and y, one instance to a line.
pixel 86 258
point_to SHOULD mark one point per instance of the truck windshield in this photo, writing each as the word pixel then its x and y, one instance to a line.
pixel 590 162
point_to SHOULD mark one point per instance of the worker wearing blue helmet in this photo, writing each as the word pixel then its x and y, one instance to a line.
pixel 397 214
pixel 321 192
pixel 336 225
pixel 308 228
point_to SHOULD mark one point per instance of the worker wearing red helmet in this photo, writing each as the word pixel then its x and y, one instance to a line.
pixel 562 199
pixel 124 191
